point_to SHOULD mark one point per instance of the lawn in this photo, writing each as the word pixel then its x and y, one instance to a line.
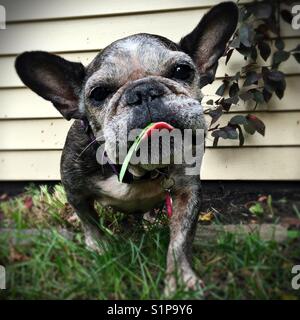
pixel 42 248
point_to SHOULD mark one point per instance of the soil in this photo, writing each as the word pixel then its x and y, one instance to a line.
pixel 229 202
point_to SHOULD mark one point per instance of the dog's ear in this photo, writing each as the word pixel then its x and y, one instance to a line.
pixel 207 42
pixel 53 78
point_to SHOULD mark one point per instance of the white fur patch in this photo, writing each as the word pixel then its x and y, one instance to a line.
pixel 140 196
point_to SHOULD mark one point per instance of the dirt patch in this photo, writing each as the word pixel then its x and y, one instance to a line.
pixel 233 203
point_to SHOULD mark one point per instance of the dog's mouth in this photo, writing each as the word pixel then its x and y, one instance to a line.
pixel 148 151
pixel 174 122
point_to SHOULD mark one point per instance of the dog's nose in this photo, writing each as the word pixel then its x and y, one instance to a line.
pixel 143 93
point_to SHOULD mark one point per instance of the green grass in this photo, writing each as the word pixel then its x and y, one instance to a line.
pixel 52 267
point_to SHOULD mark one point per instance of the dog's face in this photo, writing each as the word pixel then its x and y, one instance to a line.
pixel 137 80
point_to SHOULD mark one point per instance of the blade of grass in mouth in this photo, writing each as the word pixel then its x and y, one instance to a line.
pixel 132 149
pixel 145 132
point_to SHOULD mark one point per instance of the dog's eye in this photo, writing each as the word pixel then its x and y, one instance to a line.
pixel 182 72
pixel 100 93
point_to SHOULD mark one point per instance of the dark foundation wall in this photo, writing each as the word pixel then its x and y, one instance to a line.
pixel 209 187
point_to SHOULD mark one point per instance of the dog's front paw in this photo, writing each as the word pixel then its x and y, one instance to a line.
pixel 94 245
pixel 192 282
pixel 188 281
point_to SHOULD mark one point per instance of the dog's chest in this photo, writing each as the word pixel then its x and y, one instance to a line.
pixel 140 196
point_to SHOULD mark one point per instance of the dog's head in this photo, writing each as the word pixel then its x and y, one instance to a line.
pixel 136 80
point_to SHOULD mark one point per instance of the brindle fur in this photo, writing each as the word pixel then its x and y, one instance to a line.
pixel 138 61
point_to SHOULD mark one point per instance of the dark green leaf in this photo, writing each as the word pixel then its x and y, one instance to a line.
pixel 235 43
pixel 269 86
pixel 276 75
pixel 257 124
pixel 220 133
pixel 261 10
pixel 232 134
pixel 227 132
pixel 228 56
pixel 297 48
pixel 236 77
pixel 262 29
pixel 232 100
pixel 253 54
pixel 226 104
pixel 280 56
pixel 246 35
pixel 279 93
pixel 241 135
pixel 244 13
pixel 239 119
pixel 297 57
pixel 264 50
pixel 286 16
pixel 221 90
pixel 215 114
pixel 251 77
pixel 234 89
pixel 258 96
pixel 246 96
pixel 267 95
pixel 265 71
pixel 279 44
pixel 249 128
pixel 280 88
pixel 245 51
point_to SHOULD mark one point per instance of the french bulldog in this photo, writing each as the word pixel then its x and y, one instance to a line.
pixel 137 80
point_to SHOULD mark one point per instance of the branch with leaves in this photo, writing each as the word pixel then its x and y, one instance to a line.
pixel 257 33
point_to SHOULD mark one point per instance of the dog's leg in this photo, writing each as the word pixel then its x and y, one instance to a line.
pixel 186 205
pixel 89 217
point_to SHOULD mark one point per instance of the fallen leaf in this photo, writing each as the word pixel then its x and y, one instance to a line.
pixel 262 199
pixel 290 221
pixel 208 216
pixel 15 256
pixel 28 203
pixel 4 197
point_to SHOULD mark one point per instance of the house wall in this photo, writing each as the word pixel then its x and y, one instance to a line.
pixel 32 132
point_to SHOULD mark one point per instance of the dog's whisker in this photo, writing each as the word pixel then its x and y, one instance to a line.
pixel 89 145
pixel 86 148
pixel 99 137
pixel 102 159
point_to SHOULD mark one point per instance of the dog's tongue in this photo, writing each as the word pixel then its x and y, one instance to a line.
pixel 156 126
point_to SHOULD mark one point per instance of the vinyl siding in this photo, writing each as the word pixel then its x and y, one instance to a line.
pixel 33 132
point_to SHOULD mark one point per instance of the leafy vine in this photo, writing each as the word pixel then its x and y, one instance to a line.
pixel 258 39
